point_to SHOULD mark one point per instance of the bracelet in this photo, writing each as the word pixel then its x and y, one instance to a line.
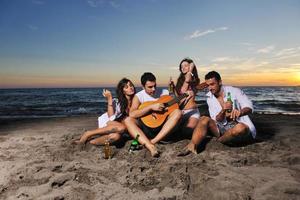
pixel 110 104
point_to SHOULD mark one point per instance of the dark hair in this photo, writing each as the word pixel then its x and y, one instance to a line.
pixel 213 74
pixel 147 76
pixel 122 97
pixel 181 78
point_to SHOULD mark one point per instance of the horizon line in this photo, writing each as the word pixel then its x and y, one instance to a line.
pixel 112 86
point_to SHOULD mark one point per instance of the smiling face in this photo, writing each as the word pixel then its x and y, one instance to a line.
pixel 214 86
pixel 150 87
pixel 185 67
pixel 128 89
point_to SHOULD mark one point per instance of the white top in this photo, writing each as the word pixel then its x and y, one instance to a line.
pixel 144 97
pixel 240 101
pixel 103 119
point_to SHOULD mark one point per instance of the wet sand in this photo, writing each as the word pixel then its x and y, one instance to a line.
pixel 39 162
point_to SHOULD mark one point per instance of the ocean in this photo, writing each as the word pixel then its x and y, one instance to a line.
pixel 63 102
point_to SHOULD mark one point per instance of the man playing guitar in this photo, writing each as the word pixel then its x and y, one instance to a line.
pixel 150 136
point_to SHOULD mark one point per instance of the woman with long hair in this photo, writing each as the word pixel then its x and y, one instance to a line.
pixel 187 82
pixel 111 125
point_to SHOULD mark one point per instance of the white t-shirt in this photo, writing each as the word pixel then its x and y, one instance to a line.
pixel 240 101
pixel 144 97
pixel 103 119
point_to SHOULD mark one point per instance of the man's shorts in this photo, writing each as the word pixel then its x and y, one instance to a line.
pixel 223 128
pixel 149 132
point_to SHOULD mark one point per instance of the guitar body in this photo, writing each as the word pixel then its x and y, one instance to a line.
pixel 156 119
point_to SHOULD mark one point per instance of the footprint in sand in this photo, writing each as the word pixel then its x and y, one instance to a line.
pixel 28 139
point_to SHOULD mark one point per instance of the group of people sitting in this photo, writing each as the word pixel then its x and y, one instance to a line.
pixel 228 108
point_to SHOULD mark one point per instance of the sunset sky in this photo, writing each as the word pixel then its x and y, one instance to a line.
pixel 93 43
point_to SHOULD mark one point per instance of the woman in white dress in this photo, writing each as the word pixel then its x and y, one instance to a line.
pixel 111 125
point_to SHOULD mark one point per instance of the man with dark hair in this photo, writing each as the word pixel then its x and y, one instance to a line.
pixel 229 121
pixel 136 127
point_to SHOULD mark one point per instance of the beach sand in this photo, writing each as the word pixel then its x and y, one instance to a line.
pixel 39 162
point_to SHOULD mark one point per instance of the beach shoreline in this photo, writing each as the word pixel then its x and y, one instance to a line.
pixel 39 162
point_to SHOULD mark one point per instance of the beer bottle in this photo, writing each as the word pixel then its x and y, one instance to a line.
pixel 171 86
pixel 229 100
pixel 107 149
pixel 134 144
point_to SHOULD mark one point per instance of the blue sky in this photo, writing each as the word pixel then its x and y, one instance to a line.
pixel 86 43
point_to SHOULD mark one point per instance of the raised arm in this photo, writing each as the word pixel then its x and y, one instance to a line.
pixel 110 106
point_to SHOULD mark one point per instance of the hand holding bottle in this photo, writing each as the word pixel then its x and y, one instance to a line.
pixel 171 85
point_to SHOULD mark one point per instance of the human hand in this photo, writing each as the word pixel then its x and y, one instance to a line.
pixel 235 114
pixel 227 106
pixel 107 94
pixel 158 107
pixel 192 65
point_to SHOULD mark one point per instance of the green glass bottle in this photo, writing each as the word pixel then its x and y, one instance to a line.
pixel 135 144
pixel 229 100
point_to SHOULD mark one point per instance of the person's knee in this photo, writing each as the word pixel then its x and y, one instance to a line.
pixel 177 114
pixel 203 121
pixel 120 128
pixel 240 130
pixel 114 137
pixel 128 121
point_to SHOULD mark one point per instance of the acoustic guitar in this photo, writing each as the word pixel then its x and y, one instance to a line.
pixel 157 118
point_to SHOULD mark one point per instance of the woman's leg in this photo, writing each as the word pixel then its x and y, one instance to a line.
pixel 113 137
pixel 112 127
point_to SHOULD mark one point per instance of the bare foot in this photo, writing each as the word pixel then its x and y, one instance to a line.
pixel 152 141
pixel 190 148
pixel 84 138
pixel 154 152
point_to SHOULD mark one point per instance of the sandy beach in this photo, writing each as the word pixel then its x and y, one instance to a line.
pixel 39 162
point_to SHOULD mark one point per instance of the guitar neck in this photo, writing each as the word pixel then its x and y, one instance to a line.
pixel 199 87
pixel 176 99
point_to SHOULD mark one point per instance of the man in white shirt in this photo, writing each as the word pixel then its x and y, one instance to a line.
pixel 229 121
pixel 135 126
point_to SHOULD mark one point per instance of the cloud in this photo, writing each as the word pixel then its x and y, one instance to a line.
pixel 32 27
pixel 267 49
pixel 246 44
pixel 285 52
pixel 225 59
pixel 295 64
pixel 95 3
pixel 263 63
pixel 114 4
pixel 198 33
pixel 38 2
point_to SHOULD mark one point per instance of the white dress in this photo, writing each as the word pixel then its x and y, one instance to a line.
pixel 103 119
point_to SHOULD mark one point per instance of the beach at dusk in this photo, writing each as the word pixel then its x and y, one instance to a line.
pixel 63 64
pixel 39 162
